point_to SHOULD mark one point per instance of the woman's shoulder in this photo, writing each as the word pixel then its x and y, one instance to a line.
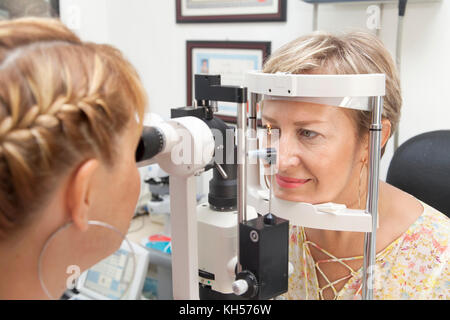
pixel 422 232
pixel 409 215
pixel 418 261
pixel 432 226
pixel 426 240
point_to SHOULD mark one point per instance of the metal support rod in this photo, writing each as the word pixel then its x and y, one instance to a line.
pixel 242 172
pixel 252 114
pixel 372 197
pixel 378 30
pixel 398 58
pixel 184 238
pixel 253 178
pixel 315 16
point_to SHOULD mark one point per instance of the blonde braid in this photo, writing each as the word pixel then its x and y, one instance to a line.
pixel 33 130
pixel 61 101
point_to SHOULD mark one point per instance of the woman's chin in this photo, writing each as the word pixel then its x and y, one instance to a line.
pixel 289 196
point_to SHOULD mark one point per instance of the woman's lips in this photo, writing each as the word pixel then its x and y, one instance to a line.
pixel 290 183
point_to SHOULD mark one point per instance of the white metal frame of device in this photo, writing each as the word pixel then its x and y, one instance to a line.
pixel 352 91
pixel 190 136
pixel 358 91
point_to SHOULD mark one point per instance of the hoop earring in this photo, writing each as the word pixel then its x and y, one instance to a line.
pixel 90 222
pixel 359 185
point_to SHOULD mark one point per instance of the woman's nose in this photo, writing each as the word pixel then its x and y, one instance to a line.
pixel 288 155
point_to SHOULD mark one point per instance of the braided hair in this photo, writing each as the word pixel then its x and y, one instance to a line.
pixel 61 101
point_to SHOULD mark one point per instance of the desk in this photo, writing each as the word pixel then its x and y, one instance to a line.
pixel 159 275
pixel 144 226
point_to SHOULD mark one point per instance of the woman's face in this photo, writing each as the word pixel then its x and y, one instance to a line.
pixel 119 185
pixel 112 197
pixel 319 152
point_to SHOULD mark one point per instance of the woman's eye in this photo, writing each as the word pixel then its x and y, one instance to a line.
pixel 307 133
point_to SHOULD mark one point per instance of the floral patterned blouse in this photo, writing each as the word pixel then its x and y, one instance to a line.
pixel 414 266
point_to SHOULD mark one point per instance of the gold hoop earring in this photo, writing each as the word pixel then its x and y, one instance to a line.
pixel 359 185
pixel 91 223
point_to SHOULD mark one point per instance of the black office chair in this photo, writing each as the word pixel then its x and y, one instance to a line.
pixel 421 167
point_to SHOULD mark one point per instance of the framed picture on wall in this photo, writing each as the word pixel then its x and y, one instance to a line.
pixel 230 59
pixel 11 9
pixel 230 10
pixel 55 6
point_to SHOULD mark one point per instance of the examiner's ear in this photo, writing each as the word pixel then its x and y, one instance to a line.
pixel 80 193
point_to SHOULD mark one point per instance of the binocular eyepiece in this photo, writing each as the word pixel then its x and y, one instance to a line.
pixel 150 144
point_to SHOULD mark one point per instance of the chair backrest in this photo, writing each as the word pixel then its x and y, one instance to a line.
pixel 421 167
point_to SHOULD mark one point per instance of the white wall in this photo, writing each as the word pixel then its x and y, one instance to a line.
pixel 146 31
pixel 425 65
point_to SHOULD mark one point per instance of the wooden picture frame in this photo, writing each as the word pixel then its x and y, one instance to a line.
pixel 230 59
pixel 56 7
pixel 35 8
pixel 192 11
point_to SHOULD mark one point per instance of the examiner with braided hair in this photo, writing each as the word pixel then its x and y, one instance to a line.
pixel 70 120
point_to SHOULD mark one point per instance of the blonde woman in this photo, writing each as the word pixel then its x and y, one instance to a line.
pixel 70 121
pixel 324 158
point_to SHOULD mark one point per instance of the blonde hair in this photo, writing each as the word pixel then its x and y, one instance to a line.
pixel 350 53
pixel 61 101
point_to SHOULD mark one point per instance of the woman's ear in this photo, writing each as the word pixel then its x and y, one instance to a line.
pixel 386 132
pixel 385 135
pixel 80 193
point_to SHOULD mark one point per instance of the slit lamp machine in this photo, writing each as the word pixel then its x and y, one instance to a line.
pixel 236 246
